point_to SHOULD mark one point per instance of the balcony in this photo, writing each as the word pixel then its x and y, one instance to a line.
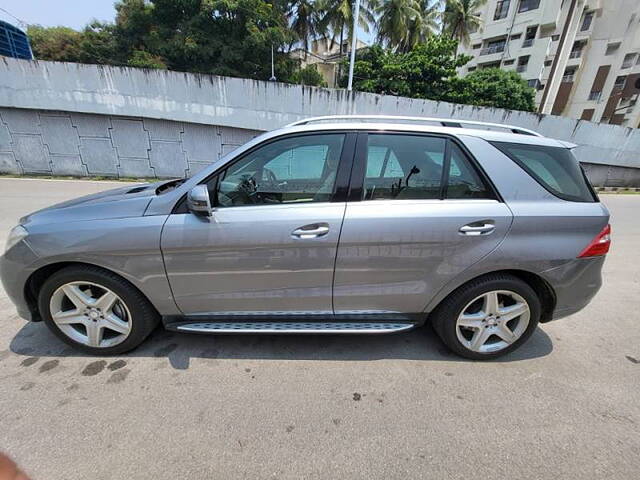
pixel 575 54
pixel 492 49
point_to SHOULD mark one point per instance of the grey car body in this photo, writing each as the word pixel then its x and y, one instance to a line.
pixel 377 260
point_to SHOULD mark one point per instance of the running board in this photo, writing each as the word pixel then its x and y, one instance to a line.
pixel 292 327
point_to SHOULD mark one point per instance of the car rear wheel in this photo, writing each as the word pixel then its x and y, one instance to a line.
pixel 488 317
pixel 95 310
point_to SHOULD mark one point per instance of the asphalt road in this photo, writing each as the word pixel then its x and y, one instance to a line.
pixel 567 405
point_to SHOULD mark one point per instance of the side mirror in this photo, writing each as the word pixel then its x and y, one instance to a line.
pixel 198 201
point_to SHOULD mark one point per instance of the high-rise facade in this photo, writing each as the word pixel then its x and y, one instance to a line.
pixel 582 56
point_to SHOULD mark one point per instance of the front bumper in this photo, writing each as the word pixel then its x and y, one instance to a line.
pixel 575 284
pixel 15 269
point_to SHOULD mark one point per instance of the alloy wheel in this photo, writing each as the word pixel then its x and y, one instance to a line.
pixel 493 321
pixel 90 314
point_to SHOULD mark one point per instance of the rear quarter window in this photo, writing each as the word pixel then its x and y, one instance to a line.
pixel 555 168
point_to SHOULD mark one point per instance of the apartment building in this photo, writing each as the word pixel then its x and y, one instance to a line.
pixel 581 56
pixel 325 54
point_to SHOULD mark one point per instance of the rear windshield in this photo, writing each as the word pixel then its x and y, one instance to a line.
pixel 555 168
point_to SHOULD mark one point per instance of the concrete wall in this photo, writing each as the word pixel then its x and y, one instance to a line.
pixel 67 118
pixel 81 144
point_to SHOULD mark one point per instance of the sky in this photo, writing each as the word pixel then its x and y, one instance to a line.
pixel 69 13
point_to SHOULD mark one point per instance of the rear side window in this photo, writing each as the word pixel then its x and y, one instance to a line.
pixel 413 167
pixel 555 168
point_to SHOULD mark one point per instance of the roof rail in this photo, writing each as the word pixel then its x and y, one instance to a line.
pixel 445 122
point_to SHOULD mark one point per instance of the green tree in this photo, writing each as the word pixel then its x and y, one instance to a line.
pixel 309 75
pixel 304 21
pixel 402 24
pixel 492 87
pixel 427 71
pixel 461 17
pixel 59 44
pixel 336 18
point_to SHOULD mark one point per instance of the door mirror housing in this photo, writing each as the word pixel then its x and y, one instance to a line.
pixel 198 201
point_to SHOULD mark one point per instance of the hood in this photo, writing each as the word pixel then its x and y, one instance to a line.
pixel 122 202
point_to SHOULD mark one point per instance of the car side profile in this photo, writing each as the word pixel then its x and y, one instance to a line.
pixel 344 224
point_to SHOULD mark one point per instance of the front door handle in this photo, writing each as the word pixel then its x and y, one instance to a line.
pixel 313 230
pixel 483 227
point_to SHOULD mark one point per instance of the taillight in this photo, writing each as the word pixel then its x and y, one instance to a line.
pixel 599 245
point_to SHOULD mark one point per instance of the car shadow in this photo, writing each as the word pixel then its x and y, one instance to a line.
pixel 35 340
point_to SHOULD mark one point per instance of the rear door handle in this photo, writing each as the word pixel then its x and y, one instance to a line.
pixel 313 230
pixel 483 227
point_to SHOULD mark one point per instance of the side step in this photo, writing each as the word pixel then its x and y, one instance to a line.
pixel 292 327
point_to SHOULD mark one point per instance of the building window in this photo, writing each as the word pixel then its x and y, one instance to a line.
pixel 530 36
pixel 471 69
pixel 569 73
pixel 612 48
pixel 476 46
pixel 522 64
pixel 508 62
pixel 515 36
pixel 576 50
pixel 494 46
pixel 534 83
pixel 502 9
pixel 490 65
pixel 555 38
pixel 526 5
pixel 586 21
pixel 587 114
pixel 595 96
pixel 620 81
pixel 547 63
pixel 629 60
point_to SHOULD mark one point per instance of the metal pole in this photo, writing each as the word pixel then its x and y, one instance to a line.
pixel 273 71
pixel 354 39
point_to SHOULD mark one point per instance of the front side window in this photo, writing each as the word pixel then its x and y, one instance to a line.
pixel 297 169
pixel 419 167
pixel 555 168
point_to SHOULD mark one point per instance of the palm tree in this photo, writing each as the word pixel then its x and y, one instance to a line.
pixel 337 18
pixel 402 24
pixel 461 19
pixel 304 19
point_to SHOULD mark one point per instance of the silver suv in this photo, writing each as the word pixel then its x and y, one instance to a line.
pixel 329 225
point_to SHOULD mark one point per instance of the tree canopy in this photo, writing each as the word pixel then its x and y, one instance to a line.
pixel 415 54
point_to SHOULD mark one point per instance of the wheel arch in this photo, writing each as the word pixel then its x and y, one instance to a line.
pixel 38 277
pixel 543 289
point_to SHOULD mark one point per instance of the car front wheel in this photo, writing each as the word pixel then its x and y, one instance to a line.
pixel 95 310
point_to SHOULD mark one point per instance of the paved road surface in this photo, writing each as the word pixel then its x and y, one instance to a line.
pixel 567 405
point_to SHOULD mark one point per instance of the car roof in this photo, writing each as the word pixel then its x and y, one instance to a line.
pixel 386 126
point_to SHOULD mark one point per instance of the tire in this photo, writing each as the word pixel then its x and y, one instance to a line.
pixel 96 329
pixel 463 334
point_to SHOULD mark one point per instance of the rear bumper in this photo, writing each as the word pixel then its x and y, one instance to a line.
pixel 575 284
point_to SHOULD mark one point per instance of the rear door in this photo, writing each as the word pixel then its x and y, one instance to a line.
pixel 420 212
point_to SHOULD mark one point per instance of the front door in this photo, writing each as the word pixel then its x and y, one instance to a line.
pixel 270 246
pixel 423 213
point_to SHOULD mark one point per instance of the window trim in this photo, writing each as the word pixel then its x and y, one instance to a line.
pixel 356 186
pixel 343 175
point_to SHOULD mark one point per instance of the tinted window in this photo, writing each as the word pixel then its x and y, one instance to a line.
pixel 555 168
pixel 411 167
pixel 291 170
pixel 403 167
pixel 464 181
